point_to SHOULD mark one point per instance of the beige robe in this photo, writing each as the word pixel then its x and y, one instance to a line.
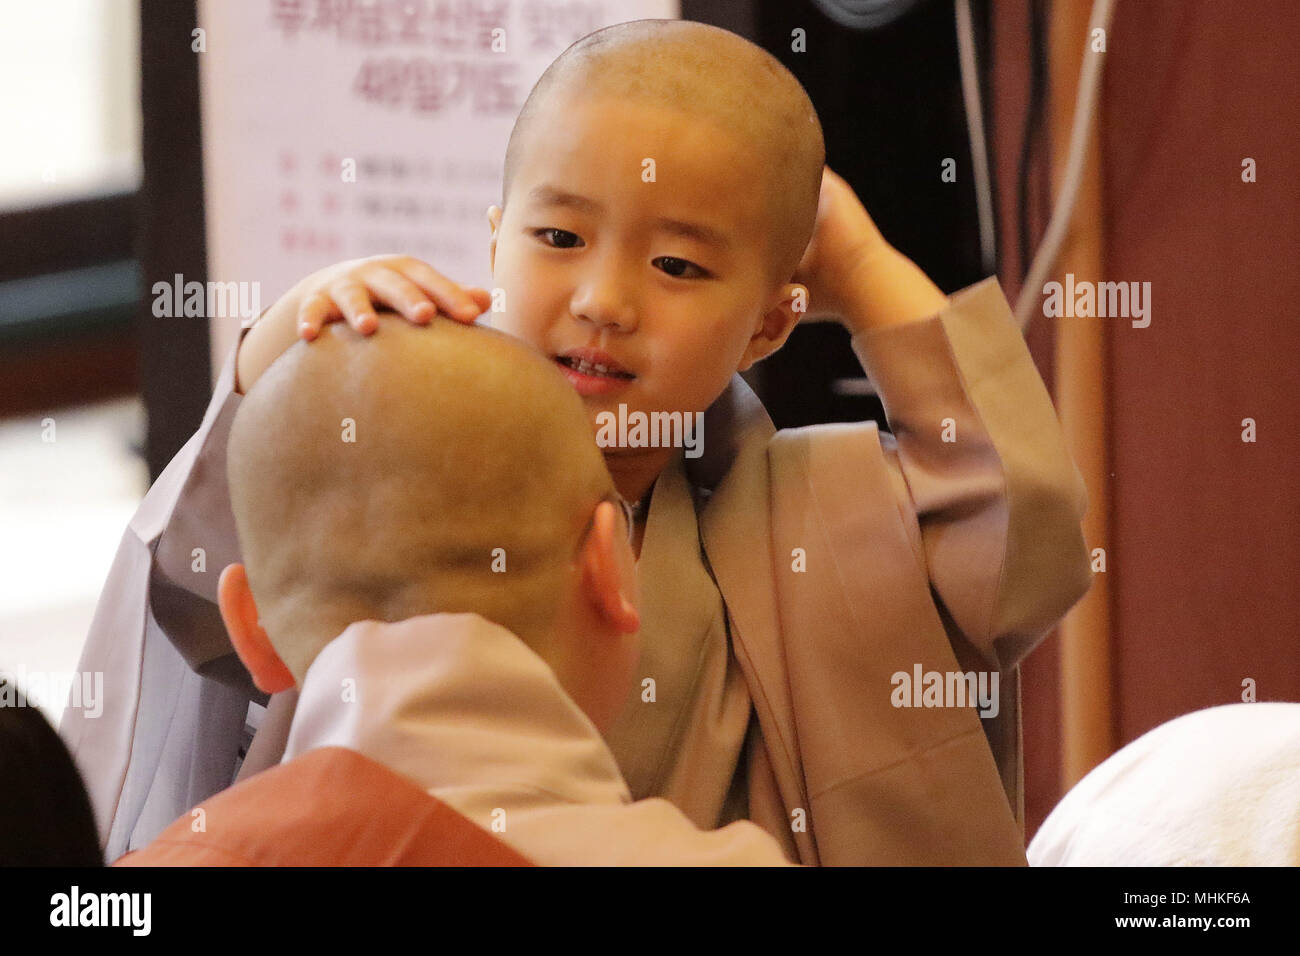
pixel 953 556
pixel 465 709
pixel 683 736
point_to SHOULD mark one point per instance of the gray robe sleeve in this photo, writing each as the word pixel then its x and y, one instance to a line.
pixel 176 699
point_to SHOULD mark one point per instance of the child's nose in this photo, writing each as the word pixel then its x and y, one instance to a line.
pixel 605 298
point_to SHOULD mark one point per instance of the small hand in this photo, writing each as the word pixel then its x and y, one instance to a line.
pixel 350 290
pixel 844 237
pixel 853 275
pixel 408 286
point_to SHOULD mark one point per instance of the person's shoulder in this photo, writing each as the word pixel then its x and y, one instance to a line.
pixel 825 431
pixel 827 441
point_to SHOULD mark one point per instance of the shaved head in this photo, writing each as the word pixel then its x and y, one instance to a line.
pixel 710 74
pixel 377 477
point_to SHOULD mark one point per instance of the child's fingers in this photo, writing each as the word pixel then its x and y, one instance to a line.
pixel 313 312
pixel 353 300
pixel 400 293
pixel 450 297
pixel 408 286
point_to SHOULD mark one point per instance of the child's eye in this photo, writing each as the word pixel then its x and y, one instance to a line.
pixel 559 238
pixel 681 268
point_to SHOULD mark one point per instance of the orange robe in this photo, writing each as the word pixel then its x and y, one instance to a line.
pixel 297 814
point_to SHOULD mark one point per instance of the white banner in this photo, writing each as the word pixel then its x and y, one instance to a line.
pixel 334 129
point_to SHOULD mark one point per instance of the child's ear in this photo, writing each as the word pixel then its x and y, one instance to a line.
pixel 239 612
pixel 609 571
pixel 776 325
pixel 494 221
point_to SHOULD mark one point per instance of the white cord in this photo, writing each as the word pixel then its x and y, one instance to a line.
pixel 970 89
pixel 1085 109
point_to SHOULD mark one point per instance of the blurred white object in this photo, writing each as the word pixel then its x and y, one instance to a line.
pixel 1217 787
pixel 63 505
pixel 71 71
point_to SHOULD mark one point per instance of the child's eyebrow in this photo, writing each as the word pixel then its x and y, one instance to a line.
pixel 547 195
pixel 693 230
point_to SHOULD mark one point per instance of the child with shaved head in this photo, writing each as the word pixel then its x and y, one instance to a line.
pixel 368 481
pixel 666 220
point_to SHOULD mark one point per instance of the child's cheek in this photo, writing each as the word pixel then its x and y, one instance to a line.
pixel 512 323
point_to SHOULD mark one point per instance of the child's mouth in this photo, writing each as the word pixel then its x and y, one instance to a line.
pixel 592 378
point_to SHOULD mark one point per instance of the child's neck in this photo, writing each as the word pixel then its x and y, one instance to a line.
pixel 635 474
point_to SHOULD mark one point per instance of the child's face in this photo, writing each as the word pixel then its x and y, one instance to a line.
pixel 588 254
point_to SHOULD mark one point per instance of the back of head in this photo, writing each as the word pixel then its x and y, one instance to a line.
pixel 445 468
pixel 711 74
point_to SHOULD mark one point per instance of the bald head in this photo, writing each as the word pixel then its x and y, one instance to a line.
pixel 375 478
pixel 710 74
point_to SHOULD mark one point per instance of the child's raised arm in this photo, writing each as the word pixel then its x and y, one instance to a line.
pixel 975 437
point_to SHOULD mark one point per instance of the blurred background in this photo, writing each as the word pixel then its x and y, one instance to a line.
pixel 150 139
pixel 70 289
